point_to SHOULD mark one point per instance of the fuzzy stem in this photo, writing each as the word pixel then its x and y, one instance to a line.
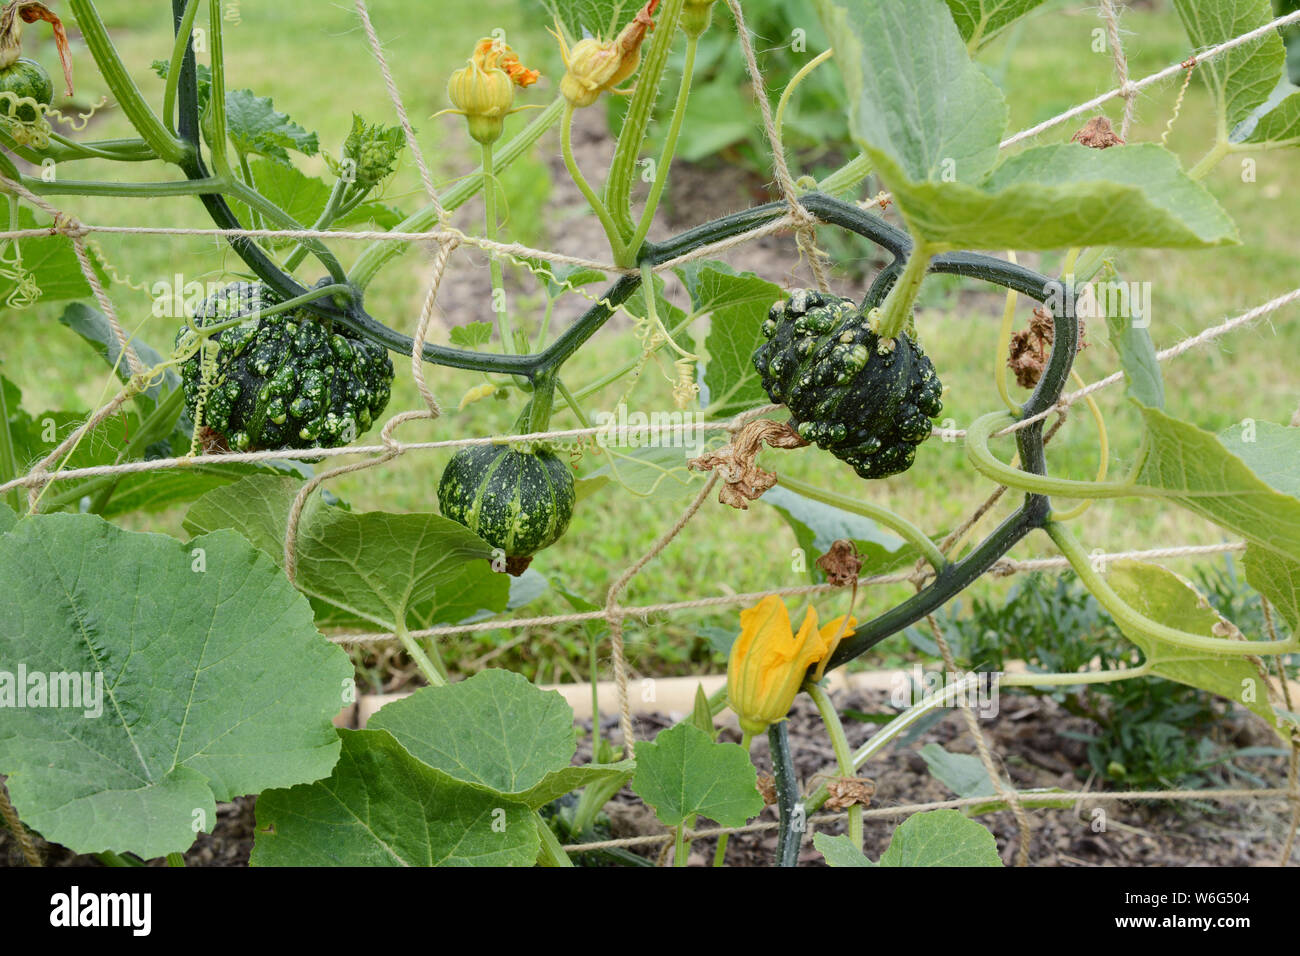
pixel 843 755
pixel 669 148
pixel 618 187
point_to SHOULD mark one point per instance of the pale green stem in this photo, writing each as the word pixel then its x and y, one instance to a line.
pixel 979 455
pixel 669 148
pixel 181 43
pixel 1130 619
pixel 847 176
pixel 843 755
pixel 1069 680
pixel 552 852
pixel 897 308
pixel 720 853
pixel 494 263
pixel 566 147
pixel 431 672
pixel 1211 159
pixel 904 528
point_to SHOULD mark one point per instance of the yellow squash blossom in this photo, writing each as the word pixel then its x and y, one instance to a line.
pixel 484 91
pixel 593 66
pixel 769 661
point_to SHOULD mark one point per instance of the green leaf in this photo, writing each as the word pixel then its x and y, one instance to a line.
pixel 1241 78
pixel 682 772
pixel 362 569
pixel 1193 467
pixel 494 729
pixel 652 471
pixel 92 325
pixel 816 526
pixel 1164 596
pixel 8 517
pixel 737 304
pixel 1269 450
pixel 303 197
pixel 963 774
pixel 1278 579
pixel 152 491
pixel 382 807
pixel 1049 197
pixel 931 122
pixel 1280 126
pixel 935 838
pixel 50 264
pixel 917 104
pixel 471 335
pixel 602 18
pixel 979 21
pixel 195 645
pixel 255 126
pixel 1137 353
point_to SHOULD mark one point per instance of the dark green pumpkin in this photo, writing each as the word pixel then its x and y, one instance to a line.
pixel 867 402
pixel 517 500
pixel 26 78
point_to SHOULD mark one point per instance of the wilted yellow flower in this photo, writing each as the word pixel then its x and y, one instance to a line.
pixel 593 66
pixel 484 91
pixel 769 661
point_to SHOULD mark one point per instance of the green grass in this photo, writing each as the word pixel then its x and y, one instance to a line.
pixel 313 60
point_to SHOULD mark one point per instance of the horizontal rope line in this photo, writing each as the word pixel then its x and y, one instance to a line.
pixel 1000 568
pixel 1079 796
pixel 247 457
pixel 1201 338
pixel 34 480
pixel 1133 87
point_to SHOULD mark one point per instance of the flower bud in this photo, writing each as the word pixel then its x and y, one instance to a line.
pixel 696 16
pixel 593 66
pixel 484 90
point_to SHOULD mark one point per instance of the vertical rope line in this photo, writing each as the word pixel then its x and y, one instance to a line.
pixel 105 303
pixel 805 233
pixel 1121 65
pixel 616 620
pixel 1010 795
pixel 393 449
pixel 377 49
pixel 25 842
pixel 445 248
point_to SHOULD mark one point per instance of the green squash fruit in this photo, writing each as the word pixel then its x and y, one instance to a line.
pixel 517 500
pixel 25 77
pixel 867 403
pixel 285 380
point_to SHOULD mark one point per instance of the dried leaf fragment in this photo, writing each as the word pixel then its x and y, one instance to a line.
pixel 743 481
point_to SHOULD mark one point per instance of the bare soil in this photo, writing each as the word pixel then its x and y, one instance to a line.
pixel 1026 736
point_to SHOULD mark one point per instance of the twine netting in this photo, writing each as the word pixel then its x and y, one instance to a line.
pixel 802 222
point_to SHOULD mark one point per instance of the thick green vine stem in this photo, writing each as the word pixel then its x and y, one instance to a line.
pixel 128 95
pixel 791 814
pixel 618 187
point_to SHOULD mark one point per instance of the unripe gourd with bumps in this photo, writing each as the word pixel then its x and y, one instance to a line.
pixel 868 401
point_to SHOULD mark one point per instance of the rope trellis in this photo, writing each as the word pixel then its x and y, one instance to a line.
pixel 448 239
